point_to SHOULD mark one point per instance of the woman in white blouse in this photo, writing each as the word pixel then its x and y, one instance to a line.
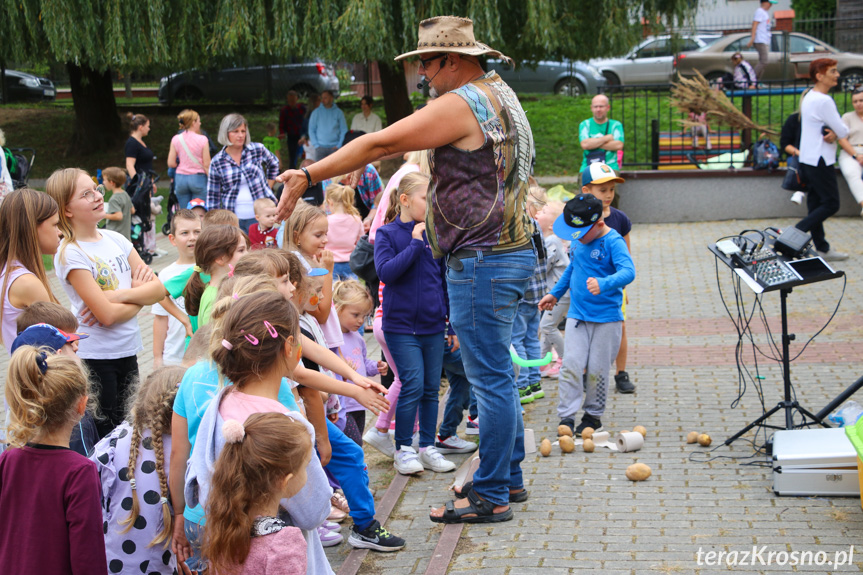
pixel 852 166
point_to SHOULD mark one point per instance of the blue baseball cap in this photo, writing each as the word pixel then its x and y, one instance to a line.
pixel 579 215
pixel 196 203
pixel 44 335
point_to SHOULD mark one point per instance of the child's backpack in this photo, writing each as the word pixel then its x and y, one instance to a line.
pixel 141 190
pixel 765 155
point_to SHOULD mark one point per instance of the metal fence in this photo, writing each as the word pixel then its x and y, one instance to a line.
pixel 657 139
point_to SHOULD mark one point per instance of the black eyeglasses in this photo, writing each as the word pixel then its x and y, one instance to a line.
pixel 425 63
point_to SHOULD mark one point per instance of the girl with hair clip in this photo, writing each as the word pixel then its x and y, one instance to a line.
pixel 217 249
pixel 404 262
pixel 107 283
pixel 306 235
pixel 202 382
pixel 263 461
pixel 345 229
pixel 133 461
pixel 49 495
pixel 29 221
pixel 255 346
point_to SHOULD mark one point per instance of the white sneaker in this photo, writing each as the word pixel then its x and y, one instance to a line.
pixel 381 441
pixel 407 462
pixel 454 444
pixel 431 458
pixel 415 440
pixel 798 197
pixel 832 255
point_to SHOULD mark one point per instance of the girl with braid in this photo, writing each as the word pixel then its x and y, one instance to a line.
pixel 133 461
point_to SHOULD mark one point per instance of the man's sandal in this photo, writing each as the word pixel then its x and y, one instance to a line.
pixel 481 510
pixel 514 496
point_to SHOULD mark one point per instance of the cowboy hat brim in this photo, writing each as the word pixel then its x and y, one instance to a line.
pixel 479 50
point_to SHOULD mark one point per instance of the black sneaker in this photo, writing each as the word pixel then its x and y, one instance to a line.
pixel 622 383
pixel 375 537
pixel 567 421
pixel 588 421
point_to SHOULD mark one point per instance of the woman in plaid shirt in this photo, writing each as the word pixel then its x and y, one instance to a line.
pixel 237 177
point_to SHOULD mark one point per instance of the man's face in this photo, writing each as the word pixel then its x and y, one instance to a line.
pixel 599 107
pixel 431 68
pixel 830 77
pixel 292 100
pixel 327 100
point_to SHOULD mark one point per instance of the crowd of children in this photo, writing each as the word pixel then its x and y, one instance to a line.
pixel 242 450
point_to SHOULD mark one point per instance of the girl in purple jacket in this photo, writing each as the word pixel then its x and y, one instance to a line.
pixel 414 322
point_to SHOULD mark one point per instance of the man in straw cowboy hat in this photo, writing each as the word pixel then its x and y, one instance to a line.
pixel 481 150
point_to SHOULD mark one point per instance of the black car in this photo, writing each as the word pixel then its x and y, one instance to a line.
pixel 24 87
pixel 247 84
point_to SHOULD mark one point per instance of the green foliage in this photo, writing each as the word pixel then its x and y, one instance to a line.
pixel 814 8
pixel 145 34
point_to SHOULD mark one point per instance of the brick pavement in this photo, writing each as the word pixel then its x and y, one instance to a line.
pixel 583 516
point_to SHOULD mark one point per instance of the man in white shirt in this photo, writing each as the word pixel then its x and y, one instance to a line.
pixel 761 34
pixel 366 121
pixel 820 126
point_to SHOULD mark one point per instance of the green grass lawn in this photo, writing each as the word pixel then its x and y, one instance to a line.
pixel 553 119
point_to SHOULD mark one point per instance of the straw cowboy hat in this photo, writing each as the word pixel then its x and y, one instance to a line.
pixel 449 34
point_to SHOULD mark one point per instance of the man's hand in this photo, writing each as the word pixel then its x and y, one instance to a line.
pixel 295 184
pixel 750 43
pixel 547 302
pixel 829 135
pixel 452 342
pixel 593 286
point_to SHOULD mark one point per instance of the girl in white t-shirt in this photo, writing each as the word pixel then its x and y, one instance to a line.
pixel 107 283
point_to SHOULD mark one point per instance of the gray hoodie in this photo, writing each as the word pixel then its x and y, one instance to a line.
pixel 307 509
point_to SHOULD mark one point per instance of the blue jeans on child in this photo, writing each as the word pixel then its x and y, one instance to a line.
pixel 525 340
pixel 419 359
pixel 460 392
pixel 342 271
pixel 187 187
pixel 347 464
pixel 483 298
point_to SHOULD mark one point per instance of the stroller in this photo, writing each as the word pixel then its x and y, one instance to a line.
pixel 173 204
pixel 141 190
pixel 20 165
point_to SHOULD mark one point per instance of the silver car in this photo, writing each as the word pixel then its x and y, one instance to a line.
pixel 651 62
pixel 568 78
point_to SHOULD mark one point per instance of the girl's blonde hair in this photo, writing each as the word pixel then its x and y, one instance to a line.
pixel 351 292
pixel 151 407
pixel 304 214
pixel 342 196
pixel 409 185
pixel 43 390
pixel 246 472
pixel 252 335
pixel 187 118
pixel 214 242
pixel 262 262
pixel 421 159
pixel 61 187
pixel 21 212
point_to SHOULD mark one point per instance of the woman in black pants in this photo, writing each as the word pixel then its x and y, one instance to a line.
pixel 820 126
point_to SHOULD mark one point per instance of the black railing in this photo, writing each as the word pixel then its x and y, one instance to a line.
pixel 655 137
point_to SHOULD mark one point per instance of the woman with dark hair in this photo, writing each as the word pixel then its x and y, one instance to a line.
pixel 139 158
pixel 366 121
pixel 236 177
pixel 820 126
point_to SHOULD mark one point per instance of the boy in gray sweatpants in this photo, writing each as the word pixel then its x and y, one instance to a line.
pixel 600 267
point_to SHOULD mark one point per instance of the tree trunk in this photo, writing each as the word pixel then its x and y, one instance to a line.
pixel 97 125
pixel 396 101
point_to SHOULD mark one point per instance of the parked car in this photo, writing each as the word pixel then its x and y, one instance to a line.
pixel 24 87
pixel 247 84
pixel 714 61
pixel 651 62
pixel 568 78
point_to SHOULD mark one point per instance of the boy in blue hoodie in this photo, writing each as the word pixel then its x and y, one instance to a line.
pixel 600 267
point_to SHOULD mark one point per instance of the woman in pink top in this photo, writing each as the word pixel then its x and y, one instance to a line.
pixel 190 154
pixel 29 221
pixel 346 229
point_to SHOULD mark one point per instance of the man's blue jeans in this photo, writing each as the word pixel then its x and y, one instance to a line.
pixel 484 296
pixel 525 340
pixel 460 392
pixel 418 362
